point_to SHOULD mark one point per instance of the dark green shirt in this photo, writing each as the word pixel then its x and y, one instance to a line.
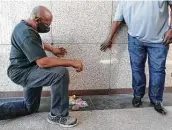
pixel 26 48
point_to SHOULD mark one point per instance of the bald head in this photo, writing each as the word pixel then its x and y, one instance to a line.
pixel 41 13
pixel 40 19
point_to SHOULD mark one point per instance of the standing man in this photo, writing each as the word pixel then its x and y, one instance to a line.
pixel 148 35
pixel 31 68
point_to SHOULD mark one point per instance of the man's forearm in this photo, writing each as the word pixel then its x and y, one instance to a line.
pixel 48 47
pixel 47 62
pixel 170 15
pixel 114 29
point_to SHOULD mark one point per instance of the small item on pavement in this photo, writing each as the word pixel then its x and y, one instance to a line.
pixel 77 103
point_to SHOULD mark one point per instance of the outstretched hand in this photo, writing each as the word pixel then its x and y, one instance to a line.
pixel 59 51
pixel 105 45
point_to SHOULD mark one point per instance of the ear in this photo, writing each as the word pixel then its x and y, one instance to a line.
pixel 38 19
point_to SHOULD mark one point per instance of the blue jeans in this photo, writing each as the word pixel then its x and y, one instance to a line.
pixel 156 53
pixel 56 77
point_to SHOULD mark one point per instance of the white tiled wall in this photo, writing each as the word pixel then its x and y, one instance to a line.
pixel 79 26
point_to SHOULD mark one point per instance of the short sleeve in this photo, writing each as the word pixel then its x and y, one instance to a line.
pixel 119 12
pixel 170 2
pixel 32 48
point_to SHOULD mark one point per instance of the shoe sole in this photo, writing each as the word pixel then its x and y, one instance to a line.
pixel 65 126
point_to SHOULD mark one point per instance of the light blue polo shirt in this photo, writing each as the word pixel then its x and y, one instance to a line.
pixel 146 20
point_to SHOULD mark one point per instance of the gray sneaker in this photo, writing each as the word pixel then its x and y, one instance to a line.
pixel 62 121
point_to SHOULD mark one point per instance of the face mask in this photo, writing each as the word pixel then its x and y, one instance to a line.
pixel 43 28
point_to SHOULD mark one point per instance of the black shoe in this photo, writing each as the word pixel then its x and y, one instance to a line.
pixel 137 102
pixel 159 107
pixel 152 103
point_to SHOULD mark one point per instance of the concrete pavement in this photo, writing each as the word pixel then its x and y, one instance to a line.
pixel 116 119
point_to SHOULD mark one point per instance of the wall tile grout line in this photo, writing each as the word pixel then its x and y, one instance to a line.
pixel 0 23
pixel 51 25
pixel 110 73
pixel 77 43
pixel 112 13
